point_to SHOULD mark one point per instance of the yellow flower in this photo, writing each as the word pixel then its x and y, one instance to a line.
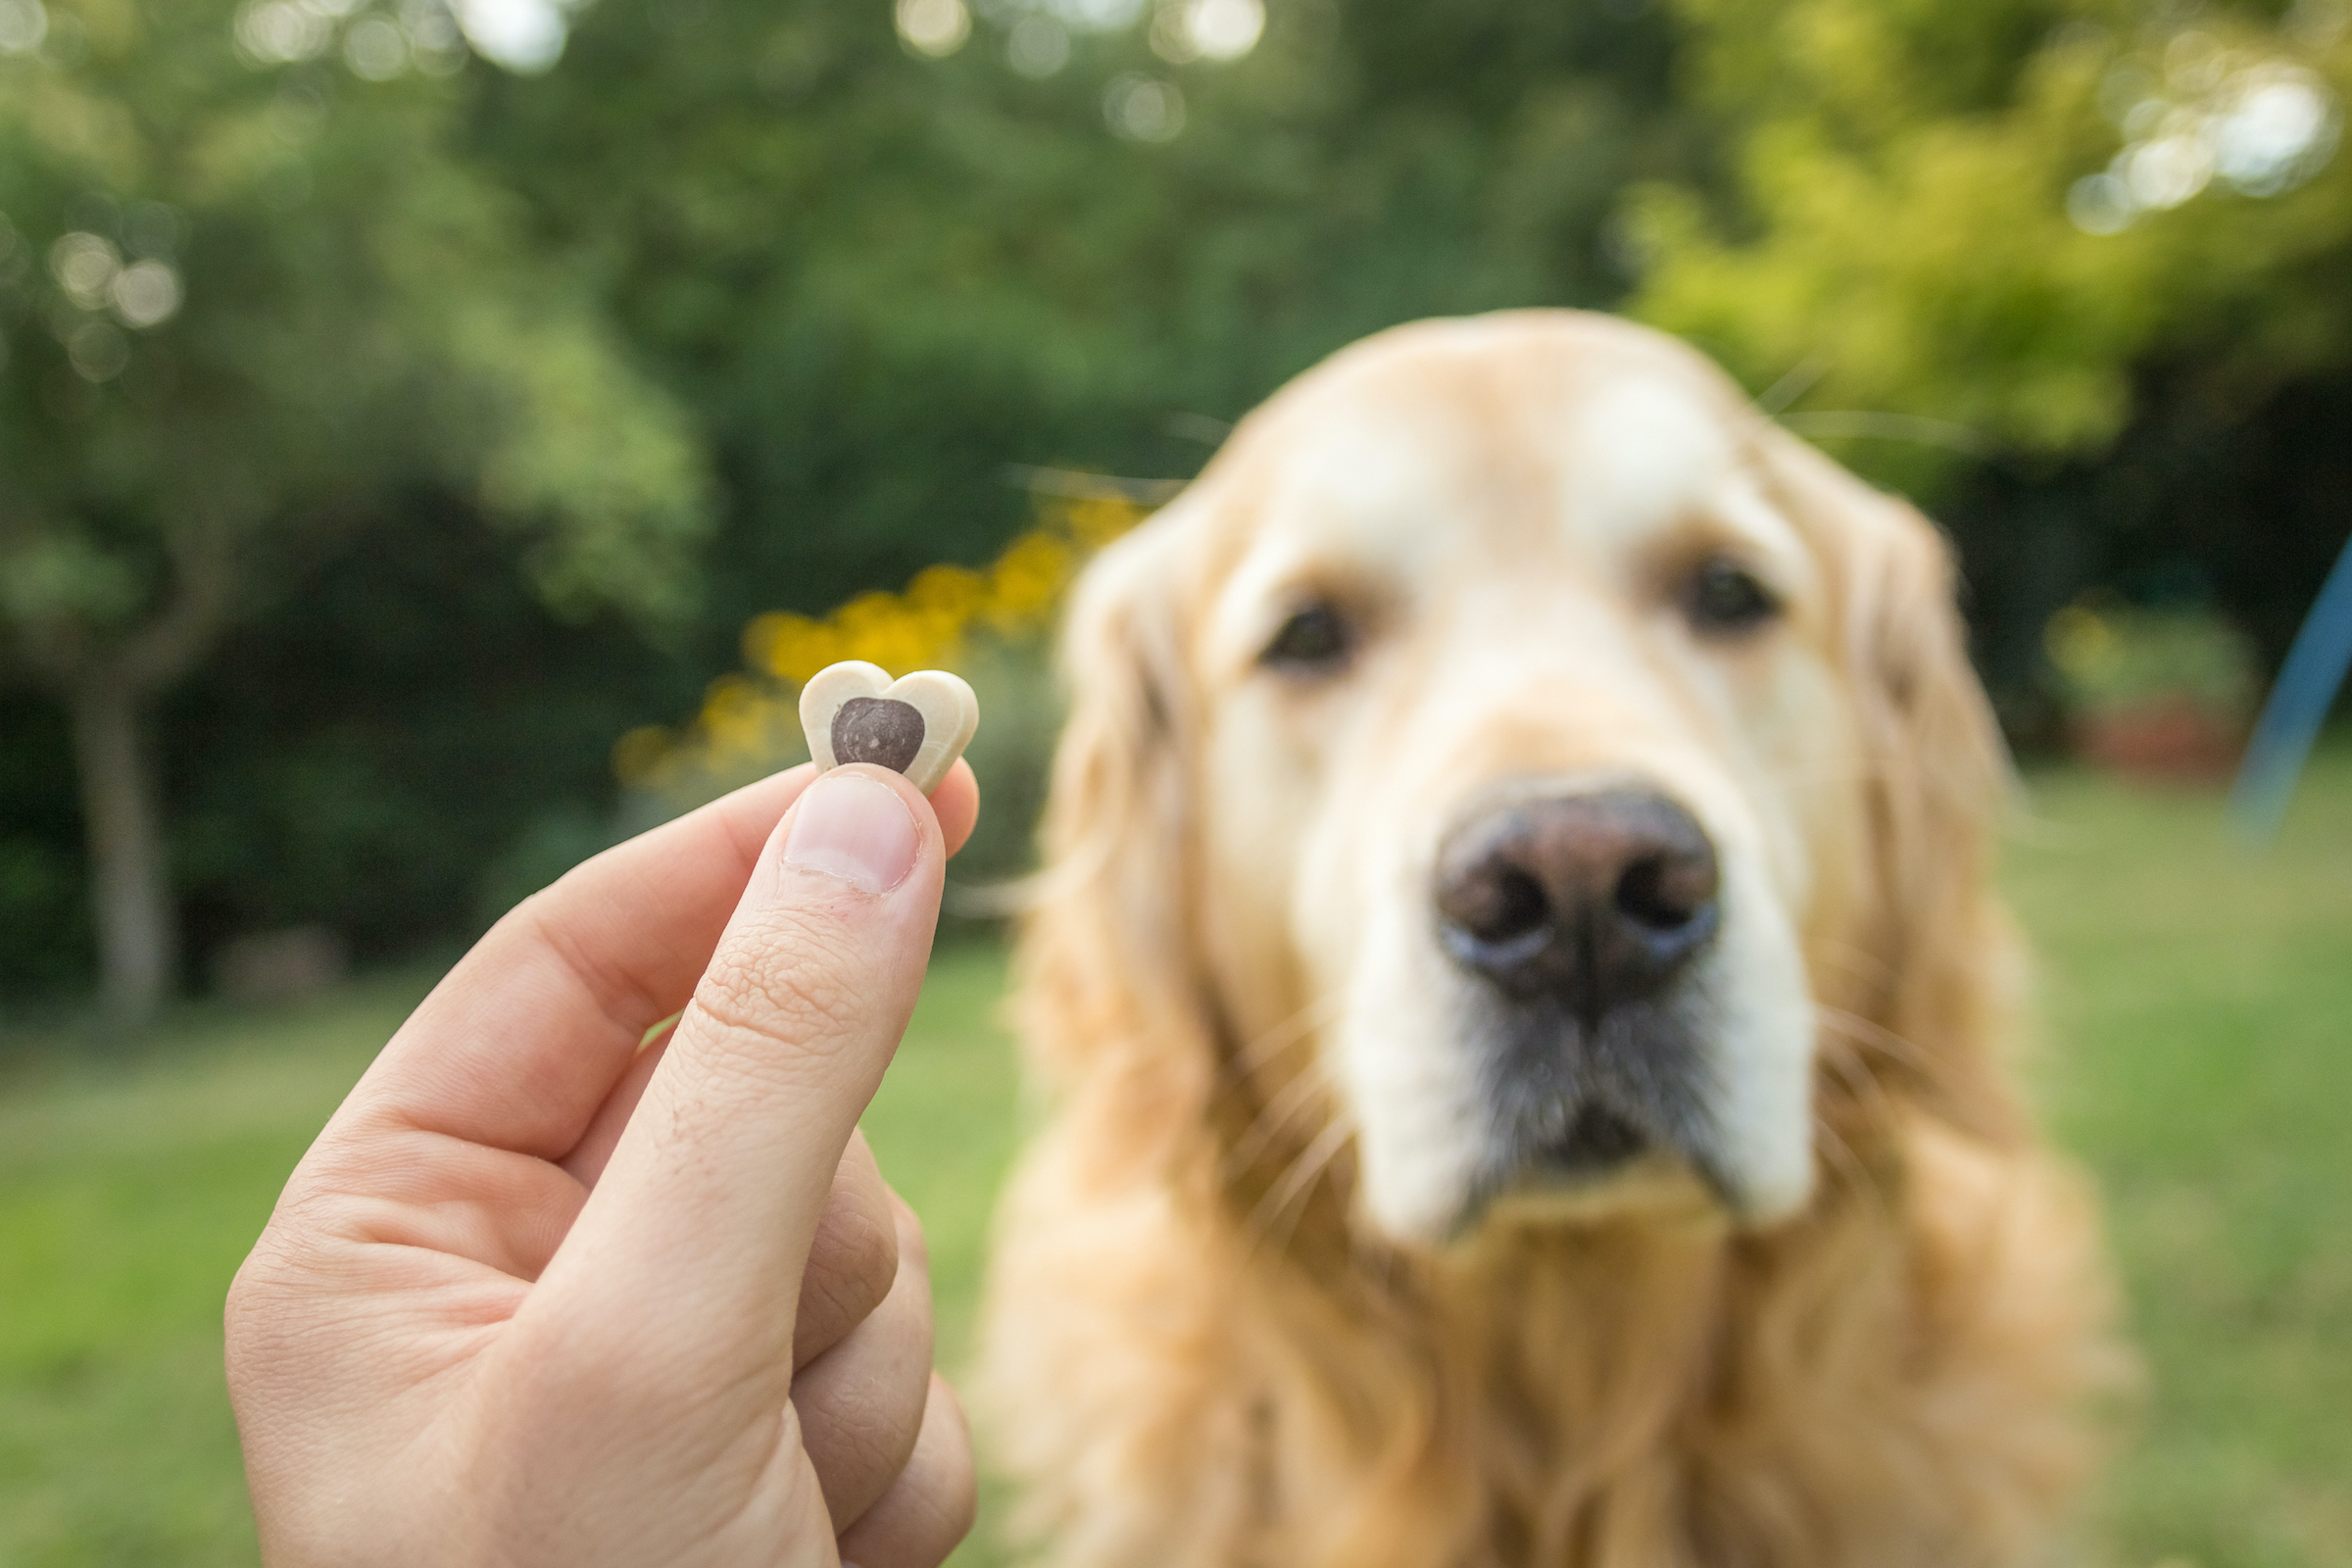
pixel 954 591
pixel 1027 580
pixel 1099 520
pixel 790 648
pixel 748 718
pixel 737 714
pixel 2079 641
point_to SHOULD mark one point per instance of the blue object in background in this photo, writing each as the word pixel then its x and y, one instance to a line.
pixel 2298 703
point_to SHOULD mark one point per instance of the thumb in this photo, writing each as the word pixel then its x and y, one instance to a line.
pixel 696 1235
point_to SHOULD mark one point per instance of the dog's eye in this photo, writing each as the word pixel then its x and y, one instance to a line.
pixel 1724 599
pixel 1314 638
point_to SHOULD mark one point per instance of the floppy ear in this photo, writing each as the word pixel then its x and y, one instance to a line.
pixel 1110 997
pixel 1943 959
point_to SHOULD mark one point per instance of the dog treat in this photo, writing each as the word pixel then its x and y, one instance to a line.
pixel 917 725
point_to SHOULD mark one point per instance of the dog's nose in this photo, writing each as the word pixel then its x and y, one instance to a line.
pixel 1595 900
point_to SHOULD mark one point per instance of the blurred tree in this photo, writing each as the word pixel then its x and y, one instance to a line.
pixel 1988 228
pixel 880 274
pixel 249 296
pixel 875 278
pixel 299 279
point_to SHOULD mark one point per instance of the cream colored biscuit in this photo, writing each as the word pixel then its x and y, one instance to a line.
pixel 917 725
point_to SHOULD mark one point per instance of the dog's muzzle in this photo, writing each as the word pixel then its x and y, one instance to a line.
pixel 1579 915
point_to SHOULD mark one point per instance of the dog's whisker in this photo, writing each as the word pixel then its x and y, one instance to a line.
pixel 1278 1242
pixel 1840 1062
pixel 1298 1181
pixel 1855 961
pixel 1864 1085
pixel 1840 1059
pixel 1293 1096
pixel 1878 1036
pixel 1869 1091
pixel 1840 1154
pixel 1271 1043
pixel 1277 1113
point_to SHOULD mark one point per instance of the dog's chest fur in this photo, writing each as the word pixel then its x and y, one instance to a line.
pixel 1874 1387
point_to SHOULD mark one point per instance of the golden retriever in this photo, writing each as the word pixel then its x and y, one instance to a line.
pixel 1523 1011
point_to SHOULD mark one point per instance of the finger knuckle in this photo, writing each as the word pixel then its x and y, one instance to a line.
pixel 795 991
pixel 910 1246
pixel 868 1252
pixel 853 1264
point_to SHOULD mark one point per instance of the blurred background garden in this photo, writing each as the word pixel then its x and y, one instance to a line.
pixel 436 434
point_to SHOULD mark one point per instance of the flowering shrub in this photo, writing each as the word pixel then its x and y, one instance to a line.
pixel 750 718
pixel 2160 694
pixel 2111 657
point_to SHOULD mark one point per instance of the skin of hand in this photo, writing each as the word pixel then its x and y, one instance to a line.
pixel 543 1295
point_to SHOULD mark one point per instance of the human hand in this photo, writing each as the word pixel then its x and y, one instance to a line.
pixel 539 1295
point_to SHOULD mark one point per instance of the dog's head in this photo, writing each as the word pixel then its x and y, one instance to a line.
pixel 1498 766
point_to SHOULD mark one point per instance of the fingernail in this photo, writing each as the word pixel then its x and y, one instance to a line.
pixel 856 828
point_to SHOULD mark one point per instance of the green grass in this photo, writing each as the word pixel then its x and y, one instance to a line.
pixel 128 1194
pixel 2197 1014
pixel 130 1189
pixel 2197 1002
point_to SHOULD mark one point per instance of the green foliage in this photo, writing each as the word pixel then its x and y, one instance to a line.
pixel 399 752
pixel 1997 216
pixel 746 305
pixel 44 904
pixel 245 303
pixel 2110 655
pixel 879 279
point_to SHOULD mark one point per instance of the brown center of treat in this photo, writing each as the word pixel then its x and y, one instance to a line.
pixel 877 729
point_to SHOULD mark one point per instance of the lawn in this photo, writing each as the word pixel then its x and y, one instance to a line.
pixel 2197 1004
pixel 2195 1000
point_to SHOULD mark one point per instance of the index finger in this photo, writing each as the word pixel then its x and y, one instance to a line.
pixel 525 1038
pixel 685 1263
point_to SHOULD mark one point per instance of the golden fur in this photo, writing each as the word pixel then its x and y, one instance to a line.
pixel 1196 1352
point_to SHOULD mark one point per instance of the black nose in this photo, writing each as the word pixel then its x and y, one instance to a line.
pixel 1594 900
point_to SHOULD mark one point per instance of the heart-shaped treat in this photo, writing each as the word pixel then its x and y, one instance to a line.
pixel 917 725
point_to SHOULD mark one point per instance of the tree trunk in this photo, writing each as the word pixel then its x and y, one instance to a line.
pixel 130 881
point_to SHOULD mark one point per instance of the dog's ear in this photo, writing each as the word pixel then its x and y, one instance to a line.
pixel 1109 981
pixel 1942 963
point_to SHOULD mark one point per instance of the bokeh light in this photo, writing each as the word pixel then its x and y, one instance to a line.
pixel 1224 30
pixel 1099 16
pixel 23 23
pixel 1144 108
pixel 1040 36
pixel 525 36
pixel 145 294
pixel 85 266
pixel 2280 126
pixel 1038 46
pixel 2261 126
pixel 377 49
pixel 435 45
pixel 935 27
pixel 281 32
